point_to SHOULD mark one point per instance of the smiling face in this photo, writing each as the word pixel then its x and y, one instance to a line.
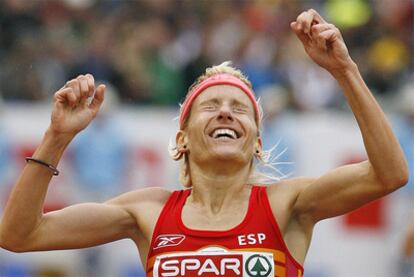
pixel 221 127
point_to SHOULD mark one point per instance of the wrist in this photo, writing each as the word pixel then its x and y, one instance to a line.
pixel 56 138
pixel 346 72
pixel 52 146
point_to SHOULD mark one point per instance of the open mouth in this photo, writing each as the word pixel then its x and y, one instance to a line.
pixel 224 133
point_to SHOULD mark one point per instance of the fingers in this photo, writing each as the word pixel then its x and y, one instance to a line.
pixel 83 86
pixel 98 99
pixel 91 84
pixel 313 30
pixel 73 89
pixel 86 86
pixel 328 36
pixel 323 33
pixel 308 18
pixel 296 27
pixel 76 91
pixel 317 28
pixel 65 95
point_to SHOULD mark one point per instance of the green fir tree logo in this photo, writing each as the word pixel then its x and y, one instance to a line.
pixel 258 266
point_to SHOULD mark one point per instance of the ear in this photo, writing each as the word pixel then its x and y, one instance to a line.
pixel 181 140
pixel 258 146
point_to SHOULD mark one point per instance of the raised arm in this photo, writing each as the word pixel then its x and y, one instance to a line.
pixel 24 227
pixel 348 187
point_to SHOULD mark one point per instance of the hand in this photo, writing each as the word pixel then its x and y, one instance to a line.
pixel 322 41
pixel 72 108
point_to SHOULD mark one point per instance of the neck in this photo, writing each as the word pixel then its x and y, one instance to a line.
pixel 218 187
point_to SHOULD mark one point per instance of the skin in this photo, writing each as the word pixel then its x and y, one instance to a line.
pixel 220 195
pixel 408 243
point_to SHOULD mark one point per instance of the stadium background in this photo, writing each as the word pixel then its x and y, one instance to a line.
pixel 148 52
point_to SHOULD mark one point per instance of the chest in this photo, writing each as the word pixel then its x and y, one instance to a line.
pixel 201 219
pixel 192 228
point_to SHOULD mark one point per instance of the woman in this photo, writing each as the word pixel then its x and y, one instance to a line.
pixel 224 225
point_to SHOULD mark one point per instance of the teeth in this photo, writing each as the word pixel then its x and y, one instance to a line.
pixel 229 132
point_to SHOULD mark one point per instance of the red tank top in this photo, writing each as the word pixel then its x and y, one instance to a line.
pixel 255 247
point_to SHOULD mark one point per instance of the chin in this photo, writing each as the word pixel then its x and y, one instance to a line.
pixel 235 156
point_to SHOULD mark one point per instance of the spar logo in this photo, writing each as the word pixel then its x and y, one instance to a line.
pixel 168 240
pixel 258 265
pixel 214 262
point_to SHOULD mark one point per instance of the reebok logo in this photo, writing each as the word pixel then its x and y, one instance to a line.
pixel 168 240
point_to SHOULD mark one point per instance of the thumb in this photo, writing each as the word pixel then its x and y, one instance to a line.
pixel 98 99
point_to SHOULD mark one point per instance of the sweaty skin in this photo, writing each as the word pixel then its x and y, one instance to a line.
pixel 218 168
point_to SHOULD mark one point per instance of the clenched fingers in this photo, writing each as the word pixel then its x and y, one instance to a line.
pixel 98 99
pixel 324 34
pixel 66 95
pixel 303 25
pixel 326 37
pixel 306 19
pixel 91 84
pixel 320 33
pixel 74 87
pixel 77 91
pixel 300 34
pixel 86 86
pixel 318 28
pixel 83 86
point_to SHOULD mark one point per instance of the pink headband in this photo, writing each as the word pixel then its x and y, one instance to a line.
pixel 219 79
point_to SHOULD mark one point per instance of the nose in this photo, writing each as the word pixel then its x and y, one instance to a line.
pixel 225 114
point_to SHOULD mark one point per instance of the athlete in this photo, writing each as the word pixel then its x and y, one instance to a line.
pixel 223 224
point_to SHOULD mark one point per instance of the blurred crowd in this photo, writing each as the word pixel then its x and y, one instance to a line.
pixel 152 50
pixel 148 52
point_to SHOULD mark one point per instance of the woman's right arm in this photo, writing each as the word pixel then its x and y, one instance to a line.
pixel 24 227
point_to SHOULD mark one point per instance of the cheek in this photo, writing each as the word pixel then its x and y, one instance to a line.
pixel 195 132
pixel 252 129
pixel 253 136
pixel 195 120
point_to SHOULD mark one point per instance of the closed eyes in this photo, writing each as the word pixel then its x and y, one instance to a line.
pixel 240 109
pixel 214 104
pixel 209 107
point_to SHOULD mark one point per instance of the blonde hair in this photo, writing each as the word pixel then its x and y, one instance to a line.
pixel 225 68
pixel 264 159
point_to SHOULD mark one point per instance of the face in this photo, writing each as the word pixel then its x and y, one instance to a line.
pixel 221 127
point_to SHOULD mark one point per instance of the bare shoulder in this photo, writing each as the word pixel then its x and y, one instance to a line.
pixel 144 205
pixel 152 195
pixel 283 196
pixel 291 186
